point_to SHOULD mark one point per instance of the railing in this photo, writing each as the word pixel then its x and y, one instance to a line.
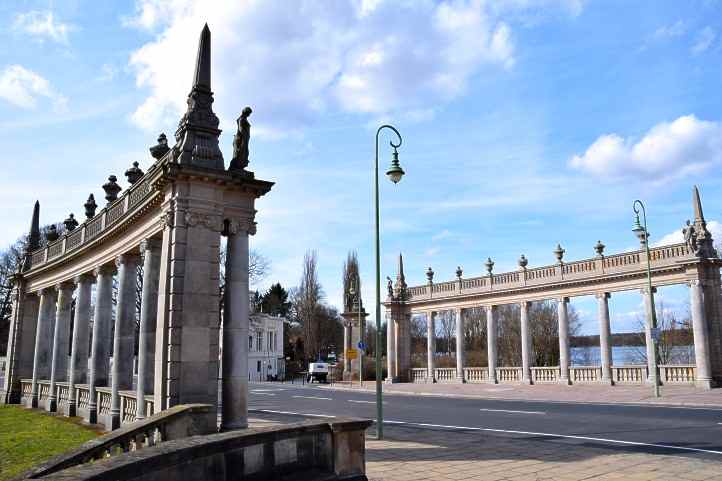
pixel 43 390
pixel 545 374
pixel 104 400
pixel 681 374
pixel 508 374
pixel 26 389
pixel 82 396
pixel 587 268
pixel 128 406
pixel 91 228
pixel 445 374
pixel 174 423
pixel 476 374
pixel 418 374
pixel 629 374
pixel 63 394
pixel 3 364
pixel 585 374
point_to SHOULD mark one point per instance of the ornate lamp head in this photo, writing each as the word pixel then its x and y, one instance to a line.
pixel 489 264
pixel 430 275
pixel 395 171
pixel 459 272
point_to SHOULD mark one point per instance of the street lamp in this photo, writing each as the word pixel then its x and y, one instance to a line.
pixel 643 235
pixel 394 173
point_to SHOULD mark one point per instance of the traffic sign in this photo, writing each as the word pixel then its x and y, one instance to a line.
pixel 351 354
pixel 361 345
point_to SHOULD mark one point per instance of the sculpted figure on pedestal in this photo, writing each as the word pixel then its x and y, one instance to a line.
pixel 241 141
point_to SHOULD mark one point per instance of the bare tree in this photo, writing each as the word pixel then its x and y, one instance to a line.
pixel 675 334
pixel 308 300
pixel 447 328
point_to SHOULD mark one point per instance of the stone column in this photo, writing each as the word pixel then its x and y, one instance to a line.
pixel 491 335
pixel 703 376
pixel 651 371
pixel 430 344
pixel 124 335
pixel 100 347
pixel 526 350
pixel 61 334
pixel 391 374
pixel 605 336
pixel 150 250
pixel 43 337
pixel 346 346
pixel 79 351
pixel 459 345
pixel 563 340
pixel 21 343
pixel 235 334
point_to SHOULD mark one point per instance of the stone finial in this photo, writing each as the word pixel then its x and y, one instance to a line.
pixel 696 235
pixel 400 286
pixel 52 233
pixel 599 248
pixel 489 264
pixel 90 207
pixel 161 148
pixel 70 223
pixel 559 253
pixel 34 234
pixel 111 189
pixel 134 174
pixel 459 272
pixel 197 133
pixel 430 275
pixel 523 261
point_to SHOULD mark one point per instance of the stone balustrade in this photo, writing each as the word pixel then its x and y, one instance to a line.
pixel 508 374
pixel 581 374
pixel 445 374
pixel 629 374
pixel 677 374
pixel 418 374
pixel 476 374
pixel 545 374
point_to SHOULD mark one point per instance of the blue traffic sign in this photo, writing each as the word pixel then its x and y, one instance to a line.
pixel 361 345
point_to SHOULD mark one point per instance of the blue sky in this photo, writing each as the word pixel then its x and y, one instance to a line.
pixel 525 122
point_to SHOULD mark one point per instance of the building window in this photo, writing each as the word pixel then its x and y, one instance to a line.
pixel 259 341
pixel 250 343
pixel 258 366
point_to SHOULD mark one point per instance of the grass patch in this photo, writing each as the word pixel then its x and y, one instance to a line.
pixel 29 437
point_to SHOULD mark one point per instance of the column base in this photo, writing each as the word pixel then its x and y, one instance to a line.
pixel 52 405
pixel 704 383
pixel 71 410
pixel 607 382
pixel 92 414
pixel 492 381
pixel 34 402
pixel 527 381
pixel 565 381
pixel 460 379
pixel 391 380
pixel 233 426
pixel 113 421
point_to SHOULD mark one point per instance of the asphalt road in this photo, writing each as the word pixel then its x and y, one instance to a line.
pixel 669 430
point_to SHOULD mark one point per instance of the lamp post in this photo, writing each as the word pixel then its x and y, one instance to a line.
pixel 394 173
pixel 643 234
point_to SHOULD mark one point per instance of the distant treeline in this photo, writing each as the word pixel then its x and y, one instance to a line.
pixel 681 337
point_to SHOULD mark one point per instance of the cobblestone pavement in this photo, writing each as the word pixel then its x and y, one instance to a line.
pixel 425 454
pixel 671 395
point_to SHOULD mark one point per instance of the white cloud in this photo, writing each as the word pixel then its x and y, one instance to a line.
pixel 42 25
pixel 714 227
pixel 295 60
pixel 667 150
pixel 704 40
pixel 677 29
pixel 22 87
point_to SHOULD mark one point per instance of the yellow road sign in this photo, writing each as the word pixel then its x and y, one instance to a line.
pixel 351 353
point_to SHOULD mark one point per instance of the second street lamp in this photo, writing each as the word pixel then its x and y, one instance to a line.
pixel 643 234
pixel 394 173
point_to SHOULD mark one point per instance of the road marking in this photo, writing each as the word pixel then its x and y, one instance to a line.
pixel 267 390
pixel 368 402
pixel 292 413
pixel 564 436
pixel 313 397
pixel 511 411
pixel 262 393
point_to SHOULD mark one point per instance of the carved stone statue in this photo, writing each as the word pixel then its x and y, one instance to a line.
pixel 690 237
pixel 390 286
pixel 241 141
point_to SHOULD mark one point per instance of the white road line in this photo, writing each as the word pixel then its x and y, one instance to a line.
pixel 292 413
pixel 511 411
pixel 262 393
pixel 564 436
pixel 365 402
pixel 313 397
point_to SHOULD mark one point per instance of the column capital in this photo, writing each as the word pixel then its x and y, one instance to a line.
pixel 83 278
pixel 524 304
pixel 127 258
pixel 699 283
pixel 602 295
pixel 149 244
pixel 563 299
pixel 65 286
pixel 645 290
pixel 105 269
pixel 236 225
pixel 45 291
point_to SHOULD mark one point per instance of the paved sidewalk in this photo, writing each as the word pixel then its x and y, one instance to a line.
pixel 635 394
pixel 413 454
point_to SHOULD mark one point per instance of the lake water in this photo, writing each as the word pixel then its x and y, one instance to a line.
pixel 590 356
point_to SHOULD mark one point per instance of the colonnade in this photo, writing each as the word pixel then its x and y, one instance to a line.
pixel 53 340
pixel 703 375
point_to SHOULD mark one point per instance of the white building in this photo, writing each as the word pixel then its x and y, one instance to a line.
pixel 265 347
